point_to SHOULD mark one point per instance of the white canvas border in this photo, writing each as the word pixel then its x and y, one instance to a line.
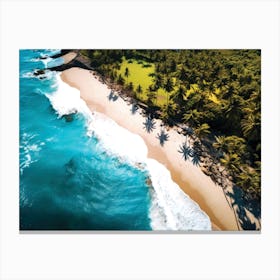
pixel 145 24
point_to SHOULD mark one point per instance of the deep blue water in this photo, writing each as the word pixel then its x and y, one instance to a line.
pixel 67 180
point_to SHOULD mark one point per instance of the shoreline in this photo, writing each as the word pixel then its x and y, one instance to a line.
pixel 190 178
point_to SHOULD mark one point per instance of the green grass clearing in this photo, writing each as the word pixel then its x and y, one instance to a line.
pixel 139 74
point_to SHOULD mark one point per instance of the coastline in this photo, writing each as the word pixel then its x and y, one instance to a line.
pixel 190 178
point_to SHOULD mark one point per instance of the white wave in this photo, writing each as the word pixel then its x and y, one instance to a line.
pixel 46 58
pixel 27 75
pixel 171 208
pixel 29 149
pixel 66 99
pixel 46 75
pixel 46 61
pixel 49 52
pixel 35 59
pixel 24 198
pixel 117 140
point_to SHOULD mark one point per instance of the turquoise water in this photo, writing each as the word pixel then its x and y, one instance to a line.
pixel 67 180
pixel 81 171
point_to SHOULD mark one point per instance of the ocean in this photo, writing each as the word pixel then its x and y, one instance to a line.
pixel 82 171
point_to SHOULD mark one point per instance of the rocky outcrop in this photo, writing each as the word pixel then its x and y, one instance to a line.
pixel 78 61
pixel 39 72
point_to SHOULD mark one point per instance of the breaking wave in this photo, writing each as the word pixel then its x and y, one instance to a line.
pixel 171 208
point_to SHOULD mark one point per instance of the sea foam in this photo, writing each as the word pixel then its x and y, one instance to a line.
pixel 171 208
pixel 48 75
pixel 50 52
pixel 117 140
pixel 66 99
pixel 53 62
pixel 29 148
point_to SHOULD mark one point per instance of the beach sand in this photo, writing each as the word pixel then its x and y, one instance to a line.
pixel 189 177
pixel 69 57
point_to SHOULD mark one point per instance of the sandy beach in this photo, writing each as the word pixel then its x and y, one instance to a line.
pixel 69 57
pixel 189 177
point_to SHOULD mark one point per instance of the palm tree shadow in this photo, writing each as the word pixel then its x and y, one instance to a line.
pixel 163 137
pixel 112 96
pixel 149 124
pixel 242 204
pixel 185 150
pixel 134 108
pixel 195 158
pixel 196 153
pixel 190 153
pixel 187 131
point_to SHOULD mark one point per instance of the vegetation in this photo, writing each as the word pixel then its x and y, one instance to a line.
pixel 214 94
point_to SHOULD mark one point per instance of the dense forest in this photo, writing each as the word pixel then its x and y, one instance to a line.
pixel 215 95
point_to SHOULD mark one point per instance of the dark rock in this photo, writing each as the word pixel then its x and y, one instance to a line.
pixel 39 72
pixel 74 63
pixel 69 118
pixel 149 182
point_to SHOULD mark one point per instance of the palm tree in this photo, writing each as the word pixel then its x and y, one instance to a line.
pixel 192 117
pixel 173 65
pixel 202 130
pixel 236 145
pixel 233 109
pixel 249 180
pixel 183 74
pixel 130 86
pixel 220 144
pixel 179 95
pixel 158 81
pixel 139 89
pixel 126 72
pixel 244 178
pixel 168 86
pixel 231 162
pixel 251 126
pixel 151 97
pixel 170 109
pixel 229 91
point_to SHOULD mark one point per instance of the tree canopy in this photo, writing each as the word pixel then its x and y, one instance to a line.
pixel 216 93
